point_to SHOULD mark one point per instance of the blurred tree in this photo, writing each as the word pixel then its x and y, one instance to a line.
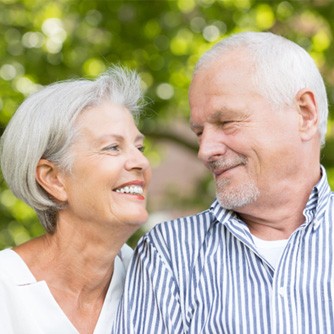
pixel 43 41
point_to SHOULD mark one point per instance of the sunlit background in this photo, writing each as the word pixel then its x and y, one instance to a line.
pixel 43 41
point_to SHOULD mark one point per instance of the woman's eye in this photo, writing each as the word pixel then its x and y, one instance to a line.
pixel 141 148
pixel 111 148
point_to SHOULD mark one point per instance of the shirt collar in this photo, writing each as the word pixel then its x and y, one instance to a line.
pixel 314 210
pixel 317 203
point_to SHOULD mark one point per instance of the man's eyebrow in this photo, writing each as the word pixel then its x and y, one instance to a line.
pixel 222 114
pixel 212 119
pixel 195 127
pixel 227 113
pixel 215 117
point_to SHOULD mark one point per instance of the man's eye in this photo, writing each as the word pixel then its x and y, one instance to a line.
pixel 222 123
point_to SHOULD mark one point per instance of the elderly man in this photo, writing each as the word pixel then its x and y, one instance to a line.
pixel 261 258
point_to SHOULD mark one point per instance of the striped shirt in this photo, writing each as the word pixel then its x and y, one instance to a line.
pixel 203 274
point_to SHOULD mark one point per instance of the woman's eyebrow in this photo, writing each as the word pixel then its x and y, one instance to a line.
pixel 118 137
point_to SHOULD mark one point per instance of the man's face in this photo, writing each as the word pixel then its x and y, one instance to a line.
pixel 248 145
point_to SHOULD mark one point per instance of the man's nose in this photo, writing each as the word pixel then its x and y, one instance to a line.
pixel 211 145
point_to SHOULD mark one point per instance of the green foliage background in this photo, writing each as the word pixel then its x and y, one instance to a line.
pixel 43 41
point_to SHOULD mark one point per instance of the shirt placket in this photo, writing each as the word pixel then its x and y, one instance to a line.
pixel 283 311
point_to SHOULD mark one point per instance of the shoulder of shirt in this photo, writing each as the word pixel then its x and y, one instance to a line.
pixel 174 244
pixel 7 262
pixel 331 198
pixel 180 230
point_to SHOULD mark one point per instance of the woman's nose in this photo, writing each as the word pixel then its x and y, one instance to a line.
pixel 137 160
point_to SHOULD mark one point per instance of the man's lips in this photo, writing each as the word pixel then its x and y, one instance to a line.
pixel 218 172
pixel 220 167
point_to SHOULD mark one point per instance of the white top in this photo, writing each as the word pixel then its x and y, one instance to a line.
pixel 27 306
pixel 271 250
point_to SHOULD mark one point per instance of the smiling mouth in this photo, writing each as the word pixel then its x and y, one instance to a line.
pixel 132 190
pixel 224 170
pixel 220 167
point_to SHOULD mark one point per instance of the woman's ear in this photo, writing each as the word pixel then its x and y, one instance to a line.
pixel 308 111
pixel 50 179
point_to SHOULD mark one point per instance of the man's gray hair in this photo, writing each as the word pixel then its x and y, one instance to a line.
pixel 281 69
pixel 44 127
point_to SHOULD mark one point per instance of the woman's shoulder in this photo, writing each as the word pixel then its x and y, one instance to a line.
pixel 8 259
pixel 13 269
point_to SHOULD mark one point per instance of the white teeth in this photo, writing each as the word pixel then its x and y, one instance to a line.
pixel 138 190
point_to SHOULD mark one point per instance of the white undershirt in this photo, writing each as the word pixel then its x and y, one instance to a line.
pixel 271 250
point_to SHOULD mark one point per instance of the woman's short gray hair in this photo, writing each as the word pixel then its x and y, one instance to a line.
pixel 43 127
pixel 282 69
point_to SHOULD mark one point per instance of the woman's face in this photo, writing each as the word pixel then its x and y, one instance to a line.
pixel 110 175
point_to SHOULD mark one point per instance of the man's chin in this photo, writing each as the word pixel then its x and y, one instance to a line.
pixel 236 199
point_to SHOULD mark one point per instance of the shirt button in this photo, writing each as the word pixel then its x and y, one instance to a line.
pixel 281 291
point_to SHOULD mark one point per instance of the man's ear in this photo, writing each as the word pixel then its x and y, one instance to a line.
pixel 308 111
pixel 50 179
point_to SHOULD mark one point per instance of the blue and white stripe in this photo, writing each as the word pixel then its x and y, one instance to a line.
pixel 203 274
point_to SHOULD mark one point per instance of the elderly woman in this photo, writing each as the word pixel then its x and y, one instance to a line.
pixel 72 151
